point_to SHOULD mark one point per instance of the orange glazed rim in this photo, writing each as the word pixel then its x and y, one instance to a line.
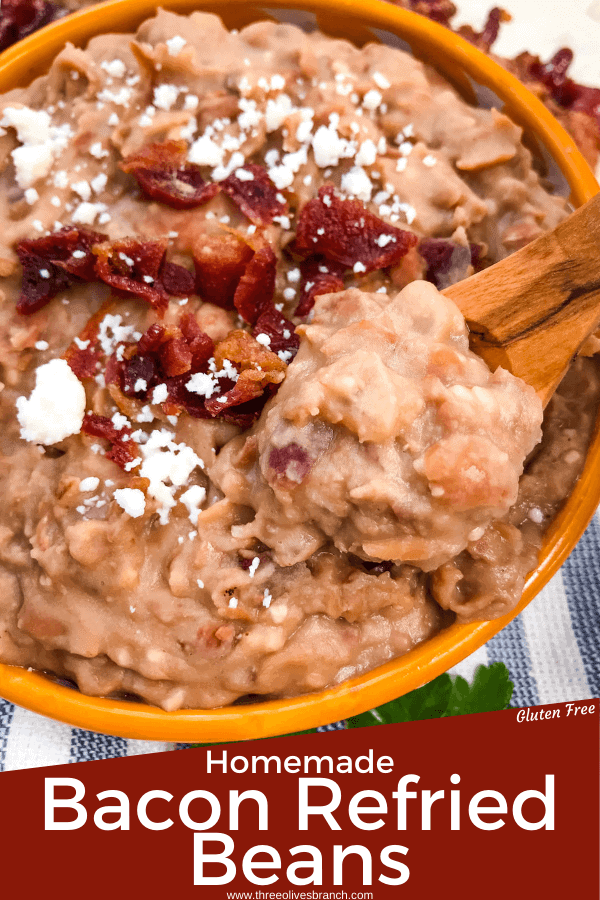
pixel 454 57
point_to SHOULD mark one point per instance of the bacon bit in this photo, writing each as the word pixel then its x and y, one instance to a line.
pixel 176 357
pixel 258 368
pixel 441 11
pixel 319 276
pixel 256 197
pixel 477 256
pixel 125 265
pixel 249 386
pixel 162 355
pixel 123 450
pixel 136 369
pixel 84 361
pixel 241 349
pixel 256 287
pixel 489 35
pixel 220 262
pixel 345 232
pixel 164 174
pixel 280 330
pixel 201 345
pixel 562 89
pixel 447 262
pixel 54 255
pixel 176 280
pixel 290 463
pixel 22 17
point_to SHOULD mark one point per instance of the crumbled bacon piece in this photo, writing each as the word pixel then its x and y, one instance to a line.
pixel 447 262
pixel 256 287
pixel 255 194
pixel 562 89
pixel 176 280
pixel 162 355
pixel 220 262
pixel 258 368
pixel 49 265
pixel 488 36
pixel 249 386
pixel 164 174
pixel 280 331
pixel 83 354
pixel 20 18
pixel 241 349
pixel 123 450
pixel 440 11
pixel 133 267
pixel 291 464
pixel 319 276
pixel 345 232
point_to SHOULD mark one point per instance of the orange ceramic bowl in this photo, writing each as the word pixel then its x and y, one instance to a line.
pixel 466 67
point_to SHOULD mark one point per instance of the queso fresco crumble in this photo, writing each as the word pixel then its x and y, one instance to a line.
pixel 246 449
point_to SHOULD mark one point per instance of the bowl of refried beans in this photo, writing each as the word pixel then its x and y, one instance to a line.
pixel 254 478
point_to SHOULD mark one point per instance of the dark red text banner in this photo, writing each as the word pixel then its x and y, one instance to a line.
pixel 493 805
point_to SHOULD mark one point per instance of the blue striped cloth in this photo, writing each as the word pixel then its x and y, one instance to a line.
pixel 552 651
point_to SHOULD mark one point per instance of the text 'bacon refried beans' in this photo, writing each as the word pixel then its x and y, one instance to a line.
pixel 246 449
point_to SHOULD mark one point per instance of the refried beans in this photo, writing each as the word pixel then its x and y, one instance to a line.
pixel 246 449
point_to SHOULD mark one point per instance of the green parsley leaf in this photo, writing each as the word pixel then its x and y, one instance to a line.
pixel 490 690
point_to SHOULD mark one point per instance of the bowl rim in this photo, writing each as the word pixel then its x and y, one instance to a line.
pixel 37 692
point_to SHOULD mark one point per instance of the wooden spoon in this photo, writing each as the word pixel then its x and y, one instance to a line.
pixel 531 312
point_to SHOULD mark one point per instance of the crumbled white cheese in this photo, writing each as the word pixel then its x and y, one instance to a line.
pixel 193 499
pixel 263 339
pixel 205 152
pixel 267 598
pixel 99 183
pixel 381 81
pixel 357 183
pixel 31 196
pixel 200 583
pixel 119 98
pixel 83 189
pixel 87 485
pixel 40 141
pixel 278 111
pixel 367 153
pixel 233 602
pixel 372 99
pixel 115 68
pixel 165 96
pixel 41 345
pixel 329 147
pixel 132 501
pixel 56 406
pixel 254 566
pixel 160 393
pixel 166 461
pixel 175 45
pixel 429 160
pixel 86 213
pixel 359 267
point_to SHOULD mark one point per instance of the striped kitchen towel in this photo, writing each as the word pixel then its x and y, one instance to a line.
pixel 552 651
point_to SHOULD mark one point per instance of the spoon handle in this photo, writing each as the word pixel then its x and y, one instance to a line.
pixel 532 311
